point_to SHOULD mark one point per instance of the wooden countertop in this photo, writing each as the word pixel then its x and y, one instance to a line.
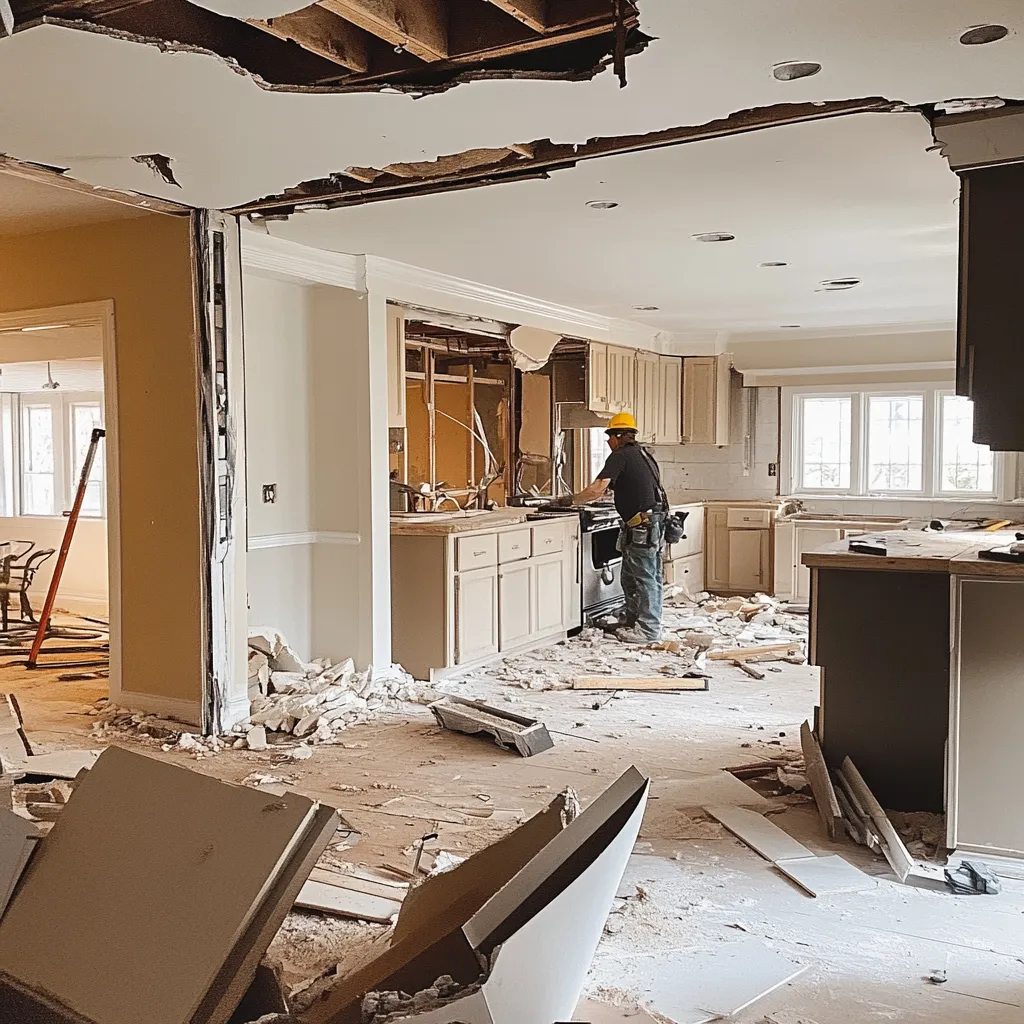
pixel 917 551
pixel 440 524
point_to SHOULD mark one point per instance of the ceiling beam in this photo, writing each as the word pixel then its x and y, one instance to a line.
pixel 532 13
pixel 419 26
pixel 316 29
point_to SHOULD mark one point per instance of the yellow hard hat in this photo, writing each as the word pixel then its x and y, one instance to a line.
pixel 622 421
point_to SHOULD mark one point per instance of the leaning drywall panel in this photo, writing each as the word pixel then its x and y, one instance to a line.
pixel 100 898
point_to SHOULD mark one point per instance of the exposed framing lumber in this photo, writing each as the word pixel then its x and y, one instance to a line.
pixel 550 157
pixel 316 29
pixel 532 13
pixel 419 26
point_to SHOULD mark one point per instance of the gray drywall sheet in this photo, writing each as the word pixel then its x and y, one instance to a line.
pixel 132 904
pixel 990 765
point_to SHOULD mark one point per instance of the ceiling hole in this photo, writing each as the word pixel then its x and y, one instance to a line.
pixel 714 236
pixel 602 204
pixel 839 284
pixel 772 263
pixel 791 70
pixel 979 35
pixel 967 106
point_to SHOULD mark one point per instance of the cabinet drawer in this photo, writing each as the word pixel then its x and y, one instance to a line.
pixel 513 546
pixel 476 552
pixel 752 518
pixel 548 538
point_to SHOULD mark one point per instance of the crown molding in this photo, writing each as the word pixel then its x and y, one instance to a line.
pixel 770 375
pixel 281 258
pixel 851 331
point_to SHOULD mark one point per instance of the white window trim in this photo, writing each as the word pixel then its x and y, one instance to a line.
pixel 1005 463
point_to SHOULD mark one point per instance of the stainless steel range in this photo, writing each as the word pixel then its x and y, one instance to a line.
pixel 600 561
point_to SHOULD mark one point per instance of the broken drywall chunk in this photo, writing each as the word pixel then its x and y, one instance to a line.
pixel 531 347
pixel 511 732
pixel 256 738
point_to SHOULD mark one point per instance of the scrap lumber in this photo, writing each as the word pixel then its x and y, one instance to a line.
pixel 658 683
pixel 526 736
pixel 821 782
pixel 754 673
pixel 148 855
pixel 340 901
pixel 745 653
pixel 893 847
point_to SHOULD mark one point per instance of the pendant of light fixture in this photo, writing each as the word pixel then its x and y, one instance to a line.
pixel 51 384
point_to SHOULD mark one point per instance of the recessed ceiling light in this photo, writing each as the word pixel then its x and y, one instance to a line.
pixel 646 309
pixel 839 284
pixel 772 263
pixel 601 204
pixel 791 70
pixel 979 35
pixel 714 236
pixel 967 106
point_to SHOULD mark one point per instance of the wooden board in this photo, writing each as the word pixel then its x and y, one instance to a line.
pixel 394 892
pixel 333 899
pixel 145 855
pixel 895 852
pixel 742 653
pixel 666 683
pixel 823 876
pixel 754 829
pixel 820 781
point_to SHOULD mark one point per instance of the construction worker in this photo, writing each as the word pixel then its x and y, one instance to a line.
pixel 633 475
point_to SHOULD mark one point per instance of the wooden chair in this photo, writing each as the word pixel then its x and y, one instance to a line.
pixel 16 577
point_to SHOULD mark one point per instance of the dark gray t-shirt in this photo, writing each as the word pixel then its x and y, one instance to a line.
pixel 632 480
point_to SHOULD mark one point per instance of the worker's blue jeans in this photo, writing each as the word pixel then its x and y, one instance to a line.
pixel 642 576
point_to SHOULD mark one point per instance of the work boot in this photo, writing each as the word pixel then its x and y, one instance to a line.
pixel 632 635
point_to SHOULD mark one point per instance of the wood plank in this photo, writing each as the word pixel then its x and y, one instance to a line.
pixel 742 653
pixel 341 902
pixel 656 683
pixel 419 26
pixel 754 829
pixel 321 32
pixel 821 782
pixel 394 892
pixel 533 13
pixel 822 876
pixel 895 852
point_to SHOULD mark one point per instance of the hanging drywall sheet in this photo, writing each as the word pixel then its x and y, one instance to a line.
pixel 696 986
pixel 823 876
pixel 759 833
pixel 541 967
pixel 531 347
pixel 146 855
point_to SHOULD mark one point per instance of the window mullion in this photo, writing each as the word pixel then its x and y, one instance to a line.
pixel 858 445
pixel 931 443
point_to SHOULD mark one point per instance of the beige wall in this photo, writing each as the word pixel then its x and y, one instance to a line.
pixel 144 265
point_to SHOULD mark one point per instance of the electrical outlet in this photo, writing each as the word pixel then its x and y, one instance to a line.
pixel 773 470
pixel 269 494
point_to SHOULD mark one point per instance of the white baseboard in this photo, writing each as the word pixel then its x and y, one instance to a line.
pixel 188 712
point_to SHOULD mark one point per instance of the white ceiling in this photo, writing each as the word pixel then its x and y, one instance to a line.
pixel 30 206
pixel 874 209
pixel 850 197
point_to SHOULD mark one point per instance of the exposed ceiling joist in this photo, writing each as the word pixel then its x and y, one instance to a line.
pixel 533 13
pixel 316 29
pixel 419 26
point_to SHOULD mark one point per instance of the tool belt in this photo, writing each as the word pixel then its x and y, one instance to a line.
pixel 642 518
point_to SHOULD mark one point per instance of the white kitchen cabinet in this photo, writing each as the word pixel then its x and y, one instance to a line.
pixel 738 549
pixel 548 594
pixel 748 560
pixel 716 549
pixel 668 429
pixel 515 604
pixel 686 572
pixel 396 366
pixel 808 538
pixel 476 614
pixel 706 382
pixel 622 367
pixel 597 377
pixel 647 405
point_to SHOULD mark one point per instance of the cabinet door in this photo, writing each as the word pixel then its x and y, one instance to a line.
pixel 515 605
pixel 597 377
pixel 670 383
pixel 476 614
pixel 746 572
pixel 548 594
pixel 647 397
pixel 785 561
pixel 809 538
pixel 699 397
pixel 396 367
pixel 716 550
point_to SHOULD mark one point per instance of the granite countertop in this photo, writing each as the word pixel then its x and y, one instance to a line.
pixel 439 524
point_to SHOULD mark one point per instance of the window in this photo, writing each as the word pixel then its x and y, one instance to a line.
pixel 825 449
pixel 84 416
pixel 964 465
pixel 914 441
pixel 38 462
pixel 895 442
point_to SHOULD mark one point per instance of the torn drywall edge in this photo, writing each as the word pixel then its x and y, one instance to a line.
pixel 531 347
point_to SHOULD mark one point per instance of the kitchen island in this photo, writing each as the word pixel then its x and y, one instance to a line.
pixel 922 677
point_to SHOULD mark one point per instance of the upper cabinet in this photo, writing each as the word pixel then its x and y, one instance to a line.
pixel 647 404
pixel 622 368
pixel 706 382
pixel 396 367
pixel 597 377
pixel 670 389
pixel 643 383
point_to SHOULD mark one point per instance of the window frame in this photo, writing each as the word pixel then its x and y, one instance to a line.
pixel 932 392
